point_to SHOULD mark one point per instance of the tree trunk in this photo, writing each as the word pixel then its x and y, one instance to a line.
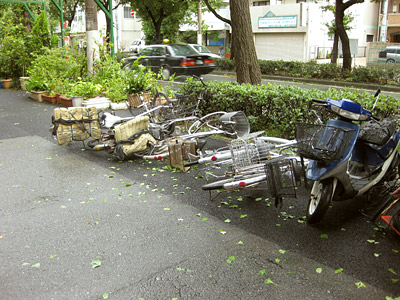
pixel 247 66
pixel 334 54
pixel 339 16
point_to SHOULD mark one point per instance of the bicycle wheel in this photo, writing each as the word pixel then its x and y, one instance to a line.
pixel 208 122
pixel 152 149
pixel 387 204
pixel 164 107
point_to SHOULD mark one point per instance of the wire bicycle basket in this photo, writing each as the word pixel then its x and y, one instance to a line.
pixel 248 152
pixel 283 176
pixel 323 142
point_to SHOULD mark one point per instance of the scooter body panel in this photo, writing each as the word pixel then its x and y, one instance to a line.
pixel 380 156
pixel 318 170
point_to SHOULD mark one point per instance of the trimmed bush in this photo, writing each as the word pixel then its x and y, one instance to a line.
pixel 312 69
pixel 275 108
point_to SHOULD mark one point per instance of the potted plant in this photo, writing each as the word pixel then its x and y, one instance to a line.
pixel 37 87
pixel 139 81
pixel 83 90
pixel 51 97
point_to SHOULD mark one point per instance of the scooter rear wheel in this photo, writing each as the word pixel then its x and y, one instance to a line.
pixel 318 204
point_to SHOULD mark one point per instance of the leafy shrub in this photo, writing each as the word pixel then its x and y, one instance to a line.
pixel 57 65
pixel 276 108
pixel 321 71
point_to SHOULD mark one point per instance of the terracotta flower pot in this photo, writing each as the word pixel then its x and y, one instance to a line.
pixel 50 99
pixel 6 83
pixel 65 101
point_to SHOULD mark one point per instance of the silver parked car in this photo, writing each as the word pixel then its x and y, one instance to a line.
pixel 391 55
pixel 203 50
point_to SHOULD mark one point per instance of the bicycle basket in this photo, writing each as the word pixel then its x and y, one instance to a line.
pixel 235 123
pixel 323 142
pixel 246 152
pixel 283 176
pixel 134 99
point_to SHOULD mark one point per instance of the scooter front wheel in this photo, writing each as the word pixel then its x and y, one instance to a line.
pixel 319 202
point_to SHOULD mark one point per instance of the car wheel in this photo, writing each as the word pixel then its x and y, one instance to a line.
pixel 390 61
pixel 166 73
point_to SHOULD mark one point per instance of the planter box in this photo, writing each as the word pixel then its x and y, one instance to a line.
pixel 65 101
pixel 119 106
pixel 37 95
pixel 50 99
pixel 77 101
pixel 99 103
pixel 23 83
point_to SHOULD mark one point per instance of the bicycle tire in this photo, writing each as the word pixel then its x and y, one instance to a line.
pixel 388 203
pixel 209 121
pixel 164 112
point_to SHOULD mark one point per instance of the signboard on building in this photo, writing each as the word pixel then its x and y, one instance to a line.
pixel 277 22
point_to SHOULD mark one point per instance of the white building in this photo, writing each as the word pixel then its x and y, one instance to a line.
pixel 282 29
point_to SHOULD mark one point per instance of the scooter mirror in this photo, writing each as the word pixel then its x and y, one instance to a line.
pixel 377 92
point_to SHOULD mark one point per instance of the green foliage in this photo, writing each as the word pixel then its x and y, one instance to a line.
pixel 85 89
pixel 139 79
pixel 57 67
pixel 189 37
pixel 320 71
pixel 40 35
pixel 110 75
pixel 13 51
pixel 162 19
pixel 36 84
pixel 275 108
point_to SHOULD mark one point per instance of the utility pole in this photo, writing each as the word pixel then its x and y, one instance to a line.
pixel 92 33
pixel 199 21
pixel 383 35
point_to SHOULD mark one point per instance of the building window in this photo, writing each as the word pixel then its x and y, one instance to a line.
pixel 127 13
pixel 261 3
pixel 370 38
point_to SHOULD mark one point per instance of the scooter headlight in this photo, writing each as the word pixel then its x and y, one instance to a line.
pixel 348 114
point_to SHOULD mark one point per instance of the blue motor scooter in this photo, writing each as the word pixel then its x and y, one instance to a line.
pixel 347 157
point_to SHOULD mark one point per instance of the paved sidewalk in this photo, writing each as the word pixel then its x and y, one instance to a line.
pixel 71 229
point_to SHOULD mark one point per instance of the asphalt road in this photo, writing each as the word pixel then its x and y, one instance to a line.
pixel 78 224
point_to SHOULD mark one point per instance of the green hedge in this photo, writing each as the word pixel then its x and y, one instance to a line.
pixel 387 75
pixel 276 108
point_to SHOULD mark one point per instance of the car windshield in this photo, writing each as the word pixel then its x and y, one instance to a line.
pixel 201 49
pixel 183 50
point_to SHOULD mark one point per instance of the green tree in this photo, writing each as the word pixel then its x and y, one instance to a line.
pixel 40 35
pixel 161 19
pixel 347 20
pixel 13 50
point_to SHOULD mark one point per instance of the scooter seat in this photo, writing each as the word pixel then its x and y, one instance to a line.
pixel 377 133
